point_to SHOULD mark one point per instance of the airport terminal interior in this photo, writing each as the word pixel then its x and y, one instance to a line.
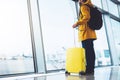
pixel 35 35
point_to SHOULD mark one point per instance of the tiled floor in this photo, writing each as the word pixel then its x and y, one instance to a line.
pixel 105 73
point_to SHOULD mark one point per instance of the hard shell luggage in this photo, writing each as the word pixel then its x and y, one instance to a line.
pixel 75 60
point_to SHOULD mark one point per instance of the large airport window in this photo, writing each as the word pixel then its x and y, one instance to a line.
pixel 15 39
pixel 102 52
pixel 116 33
pixel 57 18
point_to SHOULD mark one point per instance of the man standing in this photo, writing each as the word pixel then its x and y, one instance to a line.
pixel 86 35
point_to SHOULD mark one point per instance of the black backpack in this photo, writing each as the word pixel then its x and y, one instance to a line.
pixel 95 21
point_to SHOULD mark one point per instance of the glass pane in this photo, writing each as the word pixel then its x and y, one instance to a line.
pixel 105 5
pixel 118 0
pixel 116 34
pixel 97 3
pixel 114 9
pixel 101 48
pixel 15 40
pixel 57 18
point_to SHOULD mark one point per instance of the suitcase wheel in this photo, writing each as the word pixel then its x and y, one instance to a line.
pixel 67 73
pixel 81 73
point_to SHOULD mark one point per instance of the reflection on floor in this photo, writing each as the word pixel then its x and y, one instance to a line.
pixel 105 73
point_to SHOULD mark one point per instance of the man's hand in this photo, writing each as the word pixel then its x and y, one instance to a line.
pixel 74 25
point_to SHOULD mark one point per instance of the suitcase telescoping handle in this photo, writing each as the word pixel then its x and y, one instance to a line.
pixel 76 42
pixel 74 37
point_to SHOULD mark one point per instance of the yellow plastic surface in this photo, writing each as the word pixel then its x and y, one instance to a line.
pixel 72 77
pixel 75 60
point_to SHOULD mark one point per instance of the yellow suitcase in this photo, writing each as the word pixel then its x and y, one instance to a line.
pixel 75 60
